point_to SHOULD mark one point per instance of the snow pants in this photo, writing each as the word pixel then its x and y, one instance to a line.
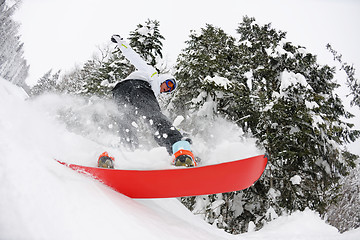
pixel 136 101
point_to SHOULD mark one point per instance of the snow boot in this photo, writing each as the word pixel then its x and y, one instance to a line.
pixel 105 161
pixel 182 155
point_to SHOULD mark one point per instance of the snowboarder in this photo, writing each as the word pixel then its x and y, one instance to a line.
pixel 136 98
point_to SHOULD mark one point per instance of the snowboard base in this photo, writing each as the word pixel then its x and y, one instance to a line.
pixel 179 182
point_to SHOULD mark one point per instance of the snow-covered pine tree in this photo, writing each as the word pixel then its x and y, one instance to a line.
pixel 352 82
pixel 344 214
pixel 286 100
pixel 46 83
pixel 300 120
pixel 97 76
pixel 207 74
pixel 13 66
pixel 147 41
pixel 90 77
pixel 70 82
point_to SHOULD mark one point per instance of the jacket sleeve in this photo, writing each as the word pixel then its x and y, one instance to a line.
pixel 135 58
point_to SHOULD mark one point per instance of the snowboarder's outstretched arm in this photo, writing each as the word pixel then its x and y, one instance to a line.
pixel 133 56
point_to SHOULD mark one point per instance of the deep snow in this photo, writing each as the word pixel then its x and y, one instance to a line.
pixel 41 199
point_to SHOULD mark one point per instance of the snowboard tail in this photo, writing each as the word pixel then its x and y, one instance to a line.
pixel 179 182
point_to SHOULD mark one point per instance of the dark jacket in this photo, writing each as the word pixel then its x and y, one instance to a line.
pixel 140 102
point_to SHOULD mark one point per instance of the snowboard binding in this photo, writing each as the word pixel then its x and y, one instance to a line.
pixel 184 158
pixel 105 161
pixel 183 155
pixel 185 161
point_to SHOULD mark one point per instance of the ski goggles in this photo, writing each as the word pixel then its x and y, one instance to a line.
pixel 171 84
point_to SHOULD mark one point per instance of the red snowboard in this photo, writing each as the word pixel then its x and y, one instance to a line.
pixel 180 182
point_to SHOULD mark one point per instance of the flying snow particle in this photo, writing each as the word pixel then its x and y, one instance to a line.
pixel 134 124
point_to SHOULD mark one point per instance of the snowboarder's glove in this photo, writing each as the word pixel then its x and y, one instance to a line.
pixel 115 38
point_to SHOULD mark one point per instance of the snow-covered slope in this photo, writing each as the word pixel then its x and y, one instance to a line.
pixel 41 199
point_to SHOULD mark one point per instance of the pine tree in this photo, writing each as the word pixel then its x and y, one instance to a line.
pixel 344 213
pixel 46 84
pixel 97 76
pixel 352 82
pixel 206 73
pixel 91 81
pixel 147 41
pixel 13 66
pixel 280 94
pixel 70 83
pixel 300 122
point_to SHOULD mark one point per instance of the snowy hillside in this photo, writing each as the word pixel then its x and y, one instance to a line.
pixel 41 199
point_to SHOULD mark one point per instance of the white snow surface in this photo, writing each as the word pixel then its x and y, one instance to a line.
pixel 41 199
